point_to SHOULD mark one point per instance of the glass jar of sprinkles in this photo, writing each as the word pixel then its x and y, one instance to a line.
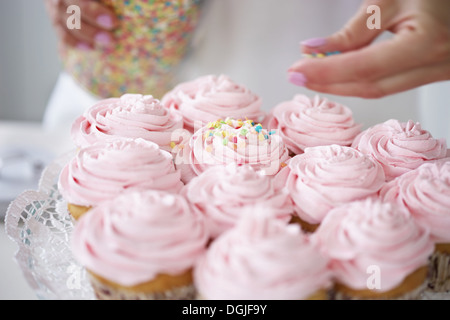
pixel 151 40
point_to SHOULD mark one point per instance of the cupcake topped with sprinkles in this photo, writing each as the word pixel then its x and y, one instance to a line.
pixel 235 133
pixel 243 142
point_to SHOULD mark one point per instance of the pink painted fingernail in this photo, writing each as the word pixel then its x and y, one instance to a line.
pixel 314 42
pixel 297 78
pixel 83 46
pixel 105 21
pixel 103 38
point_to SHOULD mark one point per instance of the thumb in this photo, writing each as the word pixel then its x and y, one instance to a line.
pixel 357 32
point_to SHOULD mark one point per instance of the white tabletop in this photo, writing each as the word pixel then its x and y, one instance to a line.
pixel 33 134
pixel 13 285
pixel 21 141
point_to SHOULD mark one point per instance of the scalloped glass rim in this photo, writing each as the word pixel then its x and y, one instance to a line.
pixel 38 222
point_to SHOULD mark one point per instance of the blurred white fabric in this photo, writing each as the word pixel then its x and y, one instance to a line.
pixel 67 102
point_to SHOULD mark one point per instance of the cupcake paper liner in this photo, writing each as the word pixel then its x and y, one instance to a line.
pixel 439 279
pixel 412 288
pixel 411 295
pixel 105 292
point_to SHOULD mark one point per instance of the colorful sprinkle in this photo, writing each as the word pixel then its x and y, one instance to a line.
pixel 250 122
pixel 320 54
pixel 234 133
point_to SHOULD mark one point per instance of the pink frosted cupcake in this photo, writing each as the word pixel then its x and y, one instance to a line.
pixel 232 141
pixel 400 146
pixel 377 251
pixel 130 116
pixel 262 258
pixel 223 193
pixel 327 176
pixel 425 192
pixel 303 122
pixel 107 169
pixel 211 97
pixel 141 245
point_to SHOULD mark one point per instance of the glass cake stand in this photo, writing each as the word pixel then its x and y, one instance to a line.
pixel 39 223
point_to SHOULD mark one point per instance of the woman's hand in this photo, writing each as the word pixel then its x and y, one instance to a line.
pixel 417 54
pixel 97 23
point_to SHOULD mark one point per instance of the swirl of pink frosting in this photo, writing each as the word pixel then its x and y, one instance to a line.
pixel 130 116
pixel 303 122
pixel 425 192
pixel 139 235
pixel 223 193
pixel 211 97
pixel 400 146
pixel 262 258
pixel 232 141
pixel 327 176
pixel 371 235
pixel 106 169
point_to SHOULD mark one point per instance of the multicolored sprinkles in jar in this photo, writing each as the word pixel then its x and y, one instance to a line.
pixel 152 39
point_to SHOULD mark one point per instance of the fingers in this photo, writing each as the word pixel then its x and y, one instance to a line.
pixel 91 35
pixel 355 34
pixel 66 38
pixel 414 78
pixel 94 14
pixel 389 85
pixel 358 62
pixel 418 53
pixel 96 26
pixel 398 64
pixel 370 63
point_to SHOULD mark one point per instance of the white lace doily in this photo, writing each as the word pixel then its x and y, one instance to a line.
pixel 39 223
